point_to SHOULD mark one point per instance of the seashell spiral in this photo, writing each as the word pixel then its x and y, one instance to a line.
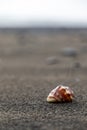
pixel 60 94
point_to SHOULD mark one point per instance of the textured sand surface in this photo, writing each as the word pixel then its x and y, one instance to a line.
pixel 26 79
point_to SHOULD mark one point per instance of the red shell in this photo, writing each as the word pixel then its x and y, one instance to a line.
pixel 60 94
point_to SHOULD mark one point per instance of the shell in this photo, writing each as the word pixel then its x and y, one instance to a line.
pixel 60 94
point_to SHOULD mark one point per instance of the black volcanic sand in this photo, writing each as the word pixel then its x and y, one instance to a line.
pixel 27 79
pixel 23 105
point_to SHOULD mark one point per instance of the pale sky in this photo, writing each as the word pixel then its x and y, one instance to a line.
pixel 13 12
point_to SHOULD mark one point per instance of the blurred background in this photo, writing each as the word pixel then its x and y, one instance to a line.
pixel 39 34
